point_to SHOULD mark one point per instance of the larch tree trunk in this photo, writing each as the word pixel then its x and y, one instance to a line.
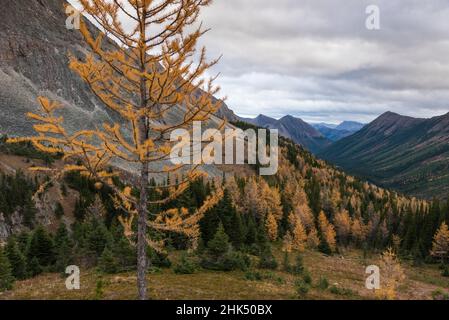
pixel 142 259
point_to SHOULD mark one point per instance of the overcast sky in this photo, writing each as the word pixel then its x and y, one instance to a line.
pixel 316 59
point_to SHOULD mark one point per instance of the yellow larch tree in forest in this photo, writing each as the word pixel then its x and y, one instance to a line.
pixel 313 241
pixel 327 231
pixel 391 275
pixel 358 231
pixel 298 232
pixel 154 68
pixel 305 214
pixel 272 227
pixel 440 247
pixel 269 200
pixel 251 201
pixel 287 243
pixel 342 222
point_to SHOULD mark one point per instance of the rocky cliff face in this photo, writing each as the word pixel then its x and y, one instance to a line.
pixel 34 44
pixel 34 47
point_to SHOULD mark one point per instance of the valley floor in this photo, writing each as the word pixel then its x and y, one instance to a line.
pixel 346 273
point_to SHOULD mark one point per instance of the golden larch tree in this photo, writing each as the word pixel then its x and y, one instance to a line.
pixel 298 232
pixel 342 222
pixel 391 275
pixel 287 243
pixel 358 231
pixel 440 247
pixel 154 69
pixel 251 201
pixel 269 200
pixel 305 214
pixel 313 241
pixel 327 231
pixel 272 227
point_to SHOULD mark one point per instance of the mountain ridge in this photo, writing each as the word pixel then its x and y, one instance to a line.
pixel 314 137
pixel 293 128
pixel 401 152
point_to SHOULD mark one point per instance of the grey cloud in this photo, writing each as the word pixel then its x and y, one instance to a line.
pixel 315 58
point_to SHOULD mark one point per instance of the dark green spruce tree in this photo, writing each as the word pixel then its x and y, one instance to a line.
pixel 41 247
pixel 17 259
pixel 6 277
pixel 63 248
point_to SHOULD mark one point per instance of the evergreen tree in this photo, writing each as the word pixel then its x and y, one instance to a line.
pixel 313 193
pixel 262 237
pixel 220 256
pixel 64 256
pixel 226 214
pixel 411 231
pixel 16 259
pixel 6 276
pixel 267 259
pixel 22 241
pixel 34 268
pixel 251 230
pixel 219 244
pixel 209 225
pixel 236 231
pixel 98 236
pixel 229 218
pixel 62 235
pixel 185 265
pixel 432 223
pixel 63 248
pixel 29 212
pixel 41 247
pixel 158 259
pixel 107 262
pixel 125 254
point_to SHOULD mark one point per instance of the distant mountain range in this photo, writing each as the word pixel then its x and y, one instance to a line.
pixel 314 137
pixel 294 129
pixel 408 154
pixel 335 132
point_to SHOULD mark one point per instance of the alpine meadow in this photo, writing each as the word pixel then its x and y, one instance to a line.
pixel 126 174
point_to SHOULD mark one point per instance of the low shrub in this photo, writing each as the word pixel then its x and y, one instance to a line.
pixel 302 288
pixel 186 265
pixel 253 275
pixel 440 295
pixel 341 291
pixel 307 278
pixel 230 261
pixel 267 260
pixel 298 268
pixel 323 283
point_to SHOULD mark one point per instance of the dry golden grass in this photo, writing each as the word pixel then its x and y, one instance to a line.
pixel 346 272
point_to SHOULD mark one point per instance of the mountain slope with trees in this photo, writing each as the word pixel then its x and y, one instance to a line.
pixel 308 205
pixel 407 154
pixel 234 223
